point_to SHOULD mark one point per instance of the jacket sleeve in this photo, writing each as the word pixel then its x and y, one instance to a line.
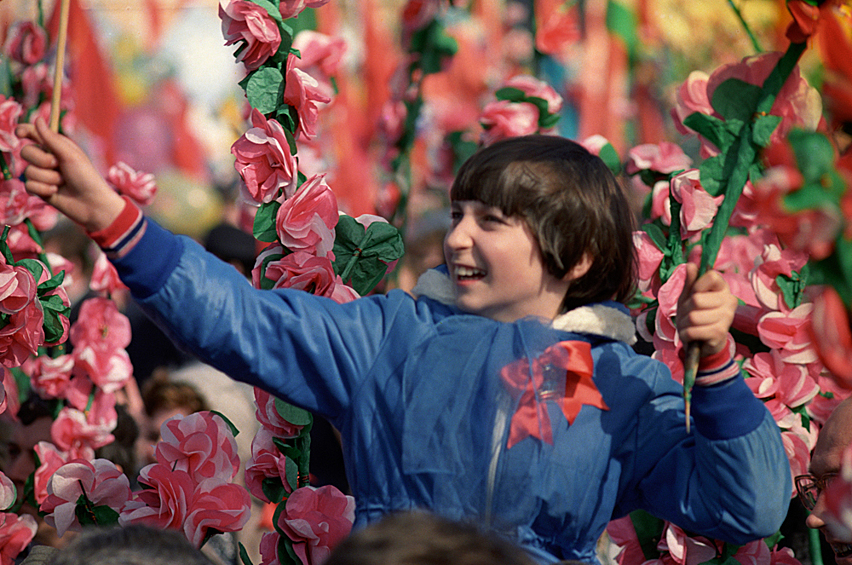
pixel 305 349
pixel 728 479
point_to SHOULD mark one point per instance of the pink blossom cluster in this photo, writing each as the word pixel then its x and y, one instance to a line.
pixel 140 187
pixel 190 488
pixel 508 118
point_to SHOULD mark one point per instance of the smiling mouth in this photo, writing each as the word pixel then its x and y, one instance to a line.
pixel 842 549
pixel 468 273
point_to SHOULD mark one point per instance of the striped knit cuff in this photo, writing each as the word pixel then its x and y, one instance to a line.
pixel 718 367
pixel 117 239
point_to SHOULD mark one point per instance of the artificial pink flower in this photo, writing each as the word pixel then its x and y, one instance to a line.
pixel 831 394
pixel 691 97
pixel 26 43
pixel 665 158
pixel 772 263
pixel 217 505
pixel 320 51
pixel 316 520
pixel 594 143
pixel 561 30
pixel 831 333
pixel 649 257
pixel 140 187
pixel 292 8
pixel 812 231
pixel 10 113
pixel 8 492
pixel 16 532
pixel 698 208
pixel 51 459
pixel 250 23
pixel 264 161
pixel 266 462
pixel 104 277
pixel 81 432
pixel 783 556
pixel 50 376
pixel 36 83
pixel 22 335
pixel 685 549
pixel 304 271
pixel 164 501
pixel 9 386
pixel 200 444
pixel 789 332
pixel 110 370
pixel 753 553
pixel 17 288
pixel 305 222
pixel 100 326
pixel 14 201
pixel 304 93
pixel 502 119
pixel 269 548
pixel 269 417
pixel 622 533
pixel 791 383
pixel 535 88
pixel 101 481
pixel 798 453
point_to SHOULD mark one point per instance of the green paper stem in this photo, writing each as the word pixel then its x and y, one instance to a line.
pixel 740 156
pixel 4 166
pixel 746 27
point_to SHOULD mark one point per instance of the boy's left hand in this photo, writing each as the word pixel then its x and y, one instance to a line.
pixel 705 310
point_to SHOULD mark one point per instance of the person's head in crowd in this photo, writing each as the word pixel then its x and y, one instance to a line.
pixel 834 437
pixel 421 538
pixel 232 245
pixel 129 545
pixel 164 399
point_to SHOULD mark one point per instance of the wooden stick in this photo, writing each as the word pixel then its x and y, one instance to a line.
pixel 60 65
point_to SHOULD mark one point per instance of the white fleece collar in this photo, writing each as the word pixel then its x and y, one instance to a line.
pixel 594 319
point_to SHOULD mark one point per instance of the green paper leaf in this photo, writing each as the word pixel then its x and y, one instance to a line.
pixel 33 266
pixel 234 430
pixel 362 255
pixel 265 89
pixel 656 234
pixel 511 94
pixel 273 489
pixel 292 414
pixel 547 121
pixel 271 8
pixel 265 283
pixel 736 99
pixel 286 553
pixel 244 556
pixel 764 126
pixel 716 131
pixel 711 173
pixel 815 154
pixel 610 157
pixel 648 531
pixel 264 222
pixel 52 283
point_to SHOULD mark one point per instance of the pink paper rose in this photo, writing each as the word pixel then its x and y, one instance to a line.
pixel 200 444
pixel 16 532
pixel 82 432
pixel 316 520
pixel 623 534
pixel 101 326
pixel 772 376
pixel 685 549
pixel 17 288
pixel 8 492
pixel 217 505
pixel 665 158
pixel 264 161
pixel 535 88
pixel 100 480
pixel 140 187
pixel 26 43
pixel 269 417
pixel 266 462
pixel 698 208
pixel 772 263
pixel 164 501
pixel 250 23
pixel 292 8
pixel 51 459
pixel 304 271
pixel 10 113
pixel 831 334
pixel 22 336
pixel 502 119
pixel 110 370
pixel 104 277
pixel 798 453
pixel 754 553
pixel 649 257
pixel 304 93
pixel 320 51
pixel 305 222
pixel 789 332
pixel 15 204
pixel 50 376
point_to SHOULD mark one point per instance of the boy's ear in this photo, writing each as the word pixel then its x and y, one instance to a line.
pixel 579 269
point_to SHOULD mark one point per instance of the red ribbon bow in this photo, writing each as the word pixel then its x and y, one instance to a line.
pixel 563 374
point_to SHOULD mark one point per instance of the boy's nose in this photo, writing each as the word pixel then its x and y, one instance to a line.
pixel 459 236
pixel 814 519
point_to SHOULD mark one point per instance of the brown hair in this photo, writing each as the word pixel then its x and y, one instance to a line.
pixel 159 393
pixel 572 203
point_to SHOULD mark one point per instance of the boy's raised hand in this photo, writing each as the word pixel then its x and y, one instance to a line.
pixel 705 310
pixel 63 176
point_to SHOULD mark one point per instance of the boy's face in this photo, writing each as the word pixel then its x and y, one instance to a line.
pixel 496 265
